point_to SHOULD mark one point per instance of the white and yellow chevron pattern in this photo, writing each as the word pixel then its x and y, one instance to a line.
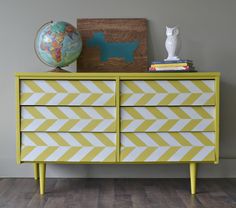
pixel 86 119
pixel 160 119
pixel 152 147
pixel 68 147
pixel 163 92
pixel 64 92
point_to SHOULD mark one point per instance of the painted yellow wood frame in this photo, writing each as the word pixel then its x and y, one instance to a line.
pixel 117 118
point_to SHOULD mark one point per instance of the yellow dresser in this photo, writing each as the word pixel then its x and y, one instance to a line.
pixel 117 118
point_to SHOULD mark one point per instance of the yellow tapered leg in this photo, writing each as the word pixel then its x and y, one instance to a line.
pixel 42 173
pixel 36 171
pixel 193 177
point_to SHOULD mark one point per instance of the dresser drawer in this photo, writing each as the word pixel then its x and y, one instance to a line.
pixel 65 92
pixel 153 147
pixel 68 147
pixel 167 92
pixel 163 119
pixel 71 119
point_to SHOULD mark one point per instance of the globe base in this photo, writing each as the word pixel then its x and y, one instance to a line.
pixel 58 69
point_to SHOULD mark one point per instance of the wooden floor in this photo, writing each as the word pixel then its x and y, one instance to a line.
pixel 118 193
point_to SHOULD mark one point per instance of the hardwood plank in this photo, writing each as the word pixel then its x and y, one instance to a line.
pixel 228 185
pixel 118 193
pixel 137 191
pixel 122 196
pixel 6 187
pixel 86 194
pixel 106 195
pixel 156 197
pixel 217 194
pixel 19 193
pixel 173 200
pixel 207 194
pixel 39 201
pixel 182 190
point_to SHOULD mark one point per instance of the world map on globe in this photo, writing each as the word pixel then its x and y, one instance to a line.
pixel 58 44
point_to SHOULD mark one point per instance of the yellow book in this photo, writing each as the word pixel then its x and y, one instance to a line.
pixel 171 65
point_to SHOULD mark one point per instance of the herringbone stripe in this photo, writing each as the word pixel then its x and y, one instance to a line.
pixel 153 119
pixel 151 147
pixel 68 154
pixel 168 139
pixel 88 119
pixel 162 92
pixel 167 153
pixel 84 147
pixel 64 92
pixel 68 139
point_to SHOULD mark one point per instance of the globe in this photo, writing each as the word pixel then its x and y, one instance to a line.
pixel 58 44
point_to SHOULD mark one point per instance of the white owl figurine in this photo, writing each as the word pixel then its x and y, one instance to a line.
pixel 173 43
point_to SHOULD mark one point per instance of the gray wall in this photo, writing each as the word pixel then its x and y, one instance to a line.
pixel 208 34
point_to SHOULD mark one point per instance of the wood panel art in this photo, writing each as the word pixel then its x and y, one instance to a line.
pixel 113 45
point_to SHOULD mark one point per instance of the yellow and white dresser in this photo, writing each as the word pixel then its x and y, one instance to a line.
pixel 117 118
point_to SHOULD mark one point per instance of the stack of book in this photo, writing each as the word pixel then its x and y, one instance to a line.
pixel 169 66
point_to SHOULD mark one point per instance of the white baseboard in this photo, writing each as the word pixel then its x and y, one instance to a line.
pixel 225 169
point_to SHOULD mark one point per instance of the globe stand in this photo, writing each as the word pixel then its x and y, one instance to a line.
pixel 58 69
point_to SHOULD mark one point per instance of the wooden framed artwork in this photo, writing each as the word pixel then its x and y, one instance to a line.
pixel 117 45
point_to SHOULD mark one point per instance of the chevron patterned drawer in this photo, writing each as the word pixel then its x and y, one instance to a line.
pixel 68 147
pixel 71 119
pixel 167 92
pixel 154 147
pixel 64 92
pixel 162 119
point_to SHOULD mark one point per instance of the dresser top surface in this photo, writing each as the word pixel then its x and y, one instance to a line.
pixel 139 75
